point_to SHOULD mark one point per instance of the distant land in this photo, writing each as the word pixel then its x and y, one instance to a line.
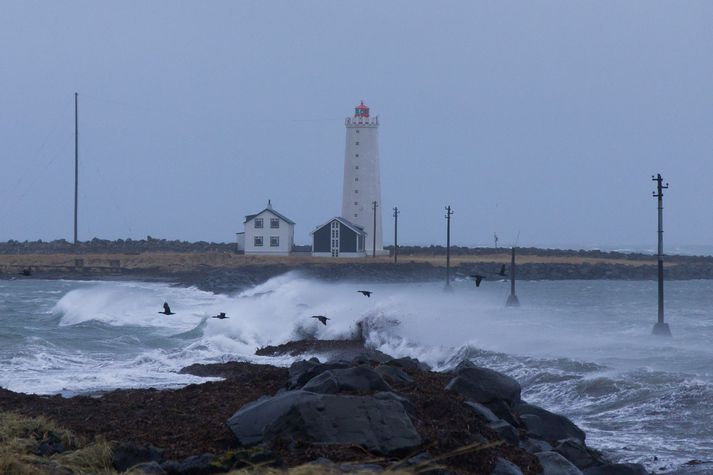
pixel 217 267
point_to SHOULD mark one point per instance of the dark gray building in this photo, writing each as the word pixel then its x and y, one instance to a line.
pixel 338 238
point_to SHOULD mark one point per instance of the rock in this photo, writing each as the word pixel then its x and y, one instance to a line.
pixel 193 465
pixel 554 464
pixel 378 425
pixel 506 432
pixel 249 422
pixel 482 411
pixel 617 469
pixel 533 424
pixel 484 385
pixel 578 454
pixel 127 455
pixel 369 357
pixel 534 445
pixel 409 364
pixel 394 375
pixel 554 426
pixel 407 405
pixel 502 409
pixel 247 457
pixel 505 467
pixel 302 371
pixel 360 379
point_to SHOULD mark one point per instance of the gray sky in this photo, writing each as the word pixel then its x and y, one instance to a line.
pixel 542 118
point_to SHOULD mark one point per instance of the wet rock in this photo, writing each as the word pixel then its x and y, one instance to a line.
pixel 618 469
pixel 249 422
pixel 505 467
pixel 554 426
pixel 482 411
pixel 360 379
pixel 380 426
pixel 247 457
pixel 484 385
pixel 503 410
pixel 506 432
pixel 409 364
pixel 534 445
pixel 405 403
pixel 533 425
pixel 369 357
pixel 578 454
pixel 194 465
pixel 126 455
pixel 394 376
pixel 554 464
pixel 302 371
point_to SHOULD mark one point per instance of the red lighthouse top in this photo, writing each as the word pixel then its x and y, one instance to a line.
pixel 361 110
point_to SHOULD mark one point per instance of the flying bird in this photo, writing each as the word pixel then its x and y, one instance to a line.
pixel 166 309
pixel 220 316
pixel 321 318
pixel 365 293
pixel 478 279
pixel 502 271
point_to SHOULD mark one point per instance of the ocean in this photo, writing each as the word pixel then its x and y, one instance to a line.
pixel 580 348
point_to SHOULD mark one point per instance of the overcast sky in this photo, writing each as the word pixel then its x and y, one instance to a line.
pixel 544 119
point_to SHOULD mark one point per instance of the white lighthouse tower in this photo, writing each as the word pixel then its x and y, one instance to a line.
pixel 362 179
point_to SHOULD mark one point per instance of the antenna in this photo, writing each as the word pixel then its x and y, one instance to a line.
pixel 512 298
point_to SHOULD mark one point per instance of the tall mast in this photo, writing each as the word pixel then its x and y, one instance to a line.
pixel 661 327
pixel 76 163
pixel 512 299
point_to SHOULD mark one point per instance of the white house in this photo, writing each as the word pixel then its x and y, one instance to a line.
pixel 338 238
pixel 267 232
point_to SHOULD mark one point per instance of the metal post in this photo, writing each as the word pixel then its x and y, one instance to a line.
pixel 512 299
pixel 76 163
pixel 449 212
pixel 396 234
pixel 373 246
pixel 660 328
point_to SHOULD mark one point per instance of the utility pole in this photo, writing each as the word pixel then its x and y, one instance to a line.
pixel 660 328
pixel 449 212
pixel 396 234
pixel 495 235
pixel 512 299
pixel 373 246
pixel 76 163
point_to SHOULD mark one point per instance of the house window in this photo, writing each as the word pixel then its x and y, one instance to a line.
pixel 356 191
pixel 258 224
pixel 274 241
pixel 356 179
pixel 355 215
pixel 357 131
pixel 356 155
pixel 274 223
pixel 357 143
pixel 258 241
pixel 356 203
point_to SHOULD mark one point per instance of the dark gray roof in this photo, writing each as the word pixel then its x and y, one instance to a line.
pixel 354 227
pixel 249 217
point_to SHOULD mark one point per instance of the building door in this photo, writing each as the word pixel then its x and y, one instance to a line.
pixel 335 239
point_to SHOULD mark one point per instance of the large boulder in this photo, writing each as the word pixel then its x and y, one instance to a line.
pixel 578 454
pixel 552 426
pixel 554 464
pixel 394 375
pixel 484 385
pixel 360 379
pixel 380 426
pixel 505 467
pixel 126 455
pixel 249 422
pixel 302 371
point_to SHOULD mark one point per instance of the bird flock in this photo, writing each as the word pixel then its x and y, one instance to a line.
pixel 222 316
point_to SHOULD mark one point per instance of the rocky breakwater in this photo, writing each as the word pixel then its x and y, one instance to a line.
pixel 397 414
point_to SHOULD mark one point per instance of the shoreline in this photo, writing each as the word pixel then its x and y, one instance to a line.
pixel 444 412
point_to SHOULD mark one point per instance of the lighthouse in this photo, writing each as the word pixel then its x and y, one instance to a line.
pixel 362 181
